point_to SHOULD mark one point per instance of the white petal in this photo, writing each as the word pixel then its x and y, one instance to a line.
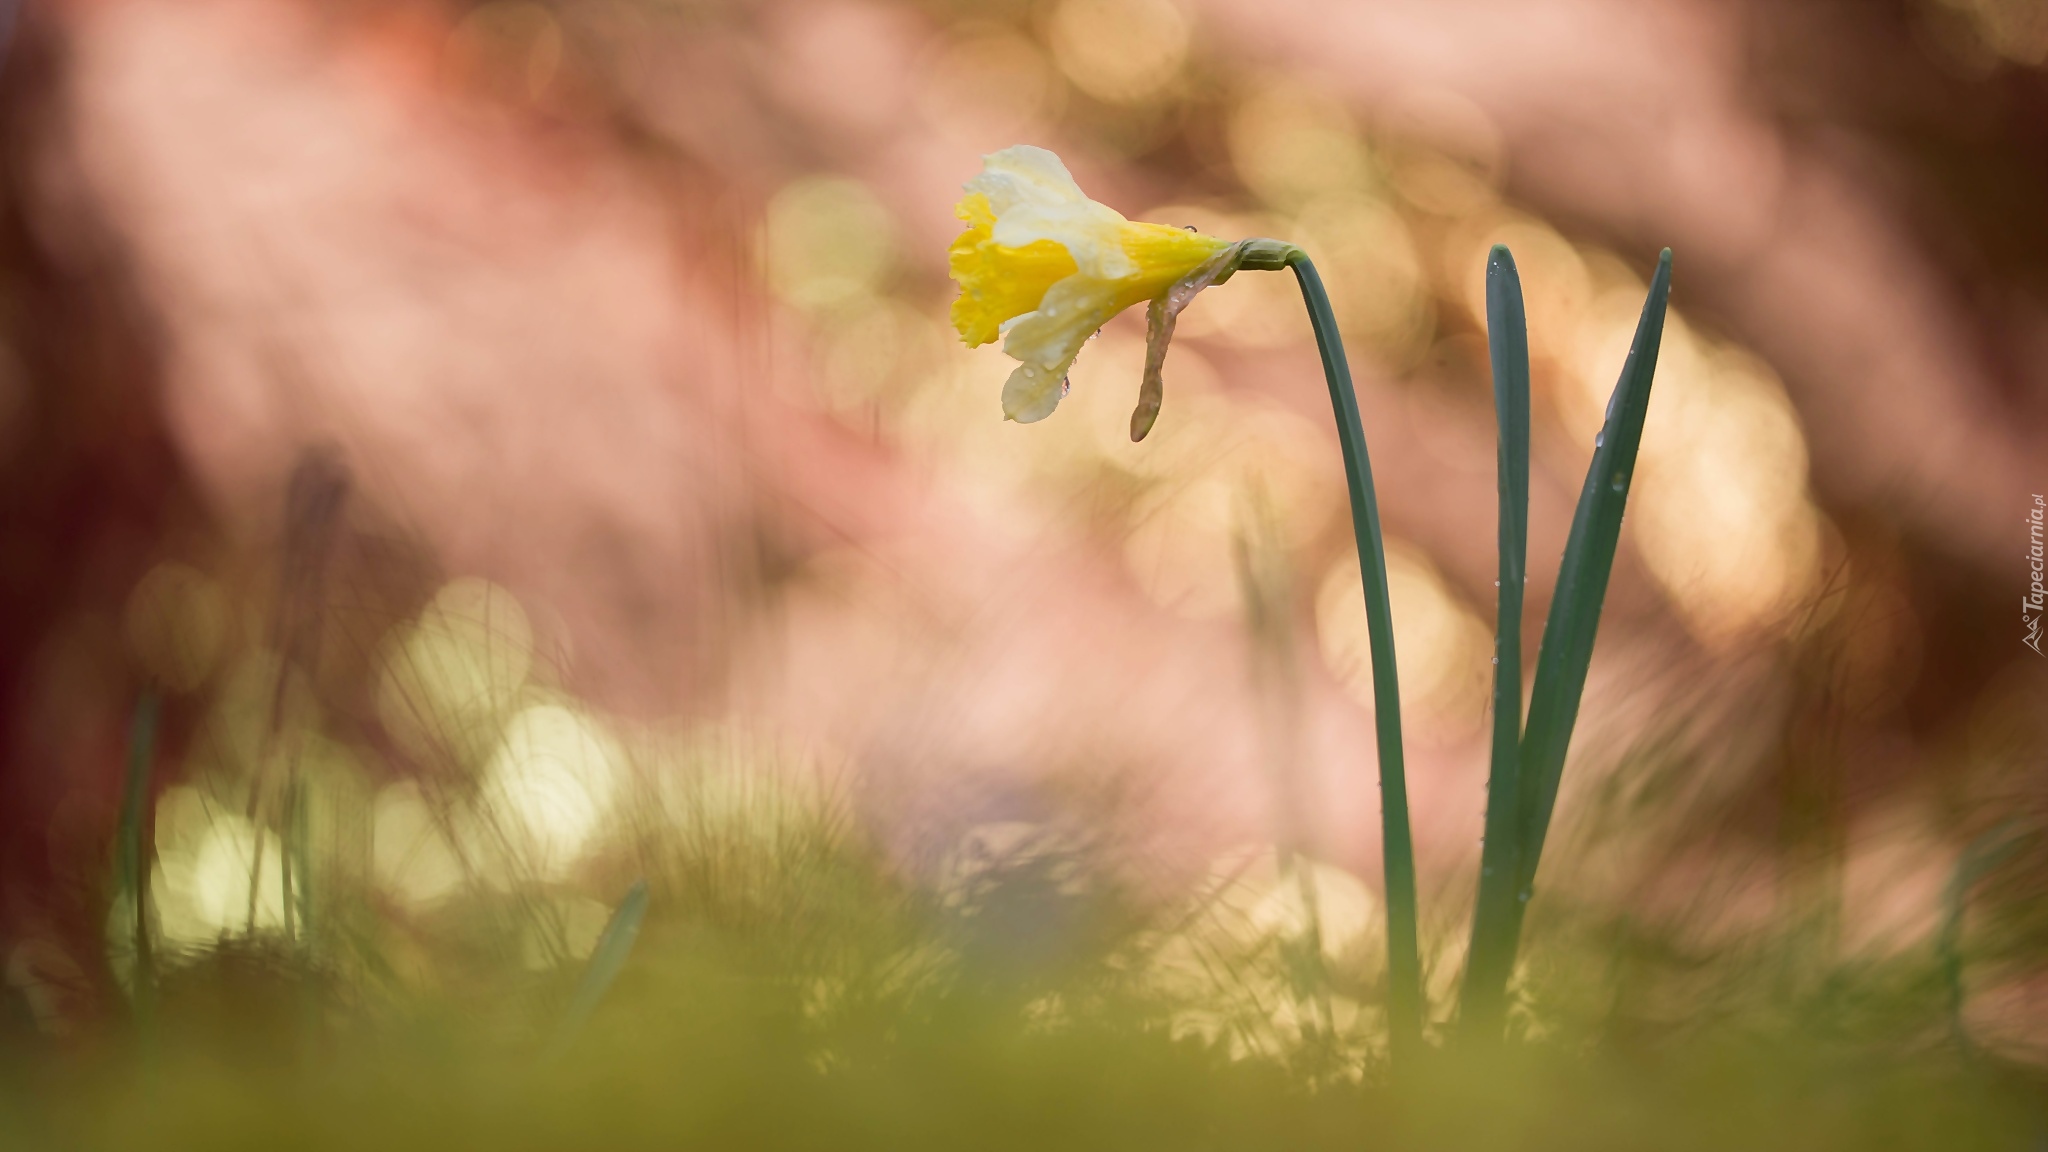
pixel 1091 234
pixel 1032 392
pixel 1071 312
pixel 1025 175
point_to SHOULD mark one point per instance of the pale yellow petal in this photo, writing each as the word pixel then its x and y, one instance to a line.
pixel 1070 313
pixel 1091 233
pixel 1032 392
pixel 1022 174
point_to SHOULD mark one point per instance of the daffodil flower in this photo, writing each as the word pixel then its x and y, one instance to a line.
pixel 1044 267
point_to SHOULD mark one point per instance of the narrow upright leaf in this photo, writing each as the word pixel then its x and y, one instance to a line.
pixel 1582 581
pixel 1495 923
pixel 131 863
pixel 607 960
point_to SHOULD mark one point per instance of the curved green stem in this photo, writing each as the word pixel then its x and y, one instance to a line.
pixel 1404 963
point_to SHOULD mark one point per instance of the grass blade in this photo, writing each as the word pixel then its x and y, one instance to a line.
pixel 1494 921
pixel 1581 591
pixel 1979 860
pixel 606 962
pixel 1404 957
pixel 131 863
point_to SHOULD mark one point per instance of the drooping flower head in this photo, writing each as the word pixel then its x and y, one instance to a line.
pixel 1043 267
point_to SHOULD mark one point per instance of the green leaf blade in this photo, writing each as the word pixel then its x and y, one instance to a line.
pixel 1495 922
pixel 131 861
pixel 607 960
pixel 1581 592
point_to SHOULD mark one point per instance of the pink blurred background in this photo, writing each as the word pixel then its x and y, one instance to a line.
pixel 636 309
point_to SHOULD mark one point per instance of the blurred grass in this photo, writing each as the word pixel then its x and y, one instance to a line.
pixel 131 860
pixel 1014 995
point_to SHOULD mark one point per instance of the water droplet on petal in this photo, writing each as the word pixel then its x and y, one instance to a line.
pixel 1600 441
pixel 1066 386
pixel 1619 483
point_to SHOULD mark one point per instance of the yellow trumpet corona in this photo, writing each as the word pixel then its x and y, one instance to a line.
pixel 1043 267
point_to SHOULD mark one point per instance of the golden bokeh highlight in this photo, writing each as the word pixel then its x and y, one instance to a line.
pixel 1373 267
pixel 448 679
pixel 946 425
pixel 549 787
pixel 414 859
pixel 1291 144
pixel 872 352
pixel 1266 907
pixel 737 782
pixel 1179 552
pixel 1120 51
pixel 1443 153
pixel 176 624
pixel 565 929
pixel 336 815
pixel 207 866
pixel 1258 311
pixel 1442 650
pixel 211 853
pixel 1721 512
pixel 1183 544
pixel 989 86
pixel 249 713
pixel 1556 286
pixel 827 241
pixel 1339 907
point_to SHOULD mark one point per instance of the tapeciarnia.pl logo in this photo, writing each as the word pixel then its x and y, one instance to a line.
pixel 2037 596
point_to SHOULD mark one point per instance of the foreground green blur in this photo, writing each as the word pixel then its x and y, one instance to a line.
pixel 793 986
